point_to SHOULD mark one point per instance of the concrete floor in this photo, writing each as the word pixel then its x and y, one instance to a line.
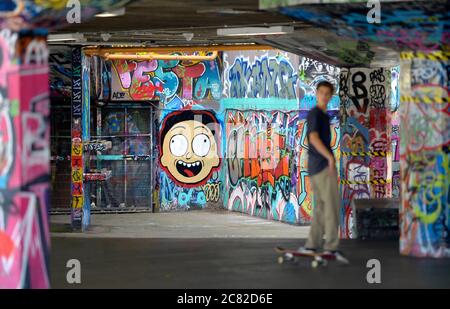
pixel 215 249
pixel 210 223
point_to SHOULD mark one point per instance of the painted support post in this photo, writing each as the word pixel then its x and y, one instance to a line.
pixel 86 136
pixel 77 145
pixel 366 147
pixel 424 154
pixel 24 159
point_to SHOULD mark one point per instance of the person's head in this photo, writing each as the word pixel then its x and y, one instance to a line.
pixel 189 146
pixel 324 93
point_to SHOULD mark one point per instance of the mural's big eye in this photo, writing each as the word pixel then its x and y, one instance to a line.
pixel 178 145
pixel 201 145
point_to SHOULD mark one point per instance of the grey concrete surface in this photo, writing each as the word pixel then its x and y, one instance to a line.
pixel 216 249
pixel 233 263
pixel 187 224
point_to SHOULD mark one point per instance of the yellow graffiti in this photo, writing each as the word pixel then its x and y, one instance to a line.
pixel 77 149
pixel 431 188
pixel 52 4
pixel 212 191
pixel 357 144
pixel 428 218
pixel 77 175
pixel 77 201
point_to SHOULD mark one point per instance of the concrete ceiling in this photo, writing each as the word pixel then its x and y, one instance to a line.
pixel 170 14
pixel 153 23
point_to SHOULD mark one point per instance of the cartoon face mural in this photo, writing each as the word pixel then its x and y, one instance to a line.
pixel 189 146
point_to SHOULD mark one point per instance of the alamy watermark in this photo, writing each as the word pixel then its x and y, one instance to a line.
pixel 374 14
pixel 74 274
pixel 374 274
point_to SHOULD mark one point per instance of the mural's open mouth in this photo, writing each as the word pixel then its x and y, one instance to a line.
pixel 189 169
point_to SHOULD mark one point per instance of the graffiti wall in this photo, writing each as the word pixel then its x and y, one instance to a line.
pixel 366 156
pixel 189 121
pixel 267 85
pixel 24 157
pixel 424 153
pixel 60 71
pixel 267 95
pixel 266 164
pixel 274 78
pixel 174 83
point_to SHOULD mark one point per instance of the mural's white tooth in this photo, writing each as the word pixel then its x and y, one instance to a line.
pixel 188 165
pixel 198 163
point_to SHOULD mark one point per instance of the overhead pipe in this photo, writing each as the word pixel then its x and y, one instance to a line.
pixel 154 56
pixel 91 51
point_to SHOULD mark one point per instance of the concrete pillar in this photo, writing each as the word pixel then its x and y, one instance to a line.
pixel 365 139
pixel 424 154
pixel 77 145
pixel 24 160
pixel 80 133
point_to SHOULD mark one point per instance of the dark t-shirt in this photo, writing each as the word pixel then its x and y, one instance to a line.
pixel 318 121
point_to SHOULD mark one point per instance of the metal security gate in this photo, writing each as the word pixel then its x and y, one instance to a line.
pixel 131 129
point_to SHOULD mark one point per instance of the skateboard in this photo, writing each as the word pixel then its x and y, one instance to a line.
pixel 318 259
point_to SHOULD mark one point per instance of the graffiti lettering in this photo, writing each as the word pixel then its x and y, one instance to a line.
pixel 212 192
pixel 267 77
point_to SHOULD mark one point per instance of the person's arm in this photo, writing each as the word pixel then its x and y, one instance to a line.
pixel 315 140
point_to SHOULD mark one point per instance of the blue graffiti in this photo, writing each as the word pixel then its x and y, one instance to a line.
pixel 269 77
pixel 174 197
pixel 210 80
pixel 167 78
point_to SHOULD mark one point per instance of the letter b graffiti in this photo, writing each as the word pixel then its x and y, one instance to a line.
pixel 74 273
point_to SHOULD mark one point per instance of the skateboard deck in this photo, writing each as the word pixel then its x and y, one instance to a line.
pixel 318 259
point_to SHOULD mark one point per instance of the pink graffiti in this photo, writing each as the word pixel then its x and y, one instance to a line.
pixel 136 77
pixel 24 231
pixel 124 69
pixel 21 253
pixel 413 39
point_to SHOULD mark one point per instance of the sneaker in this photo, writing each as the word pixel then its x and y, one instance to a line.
pixel 304 250
pixel 338 254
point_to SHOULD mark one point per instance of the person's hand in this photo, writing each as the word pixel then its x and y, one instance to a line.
pixel 332 166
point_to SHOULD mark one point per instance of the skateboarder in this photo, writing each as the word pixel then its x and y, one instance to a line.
pixel 323 177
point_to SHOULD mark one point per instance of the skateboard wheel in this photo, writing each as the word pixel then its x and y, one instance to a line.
pixel 314 264
pixel 280 260
pixel 324 262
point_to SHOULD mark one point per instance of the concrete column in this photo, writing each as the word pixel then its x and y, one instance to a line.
pixel 77 145
pixel 365 139
pixel 424 154
pixel 24 160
